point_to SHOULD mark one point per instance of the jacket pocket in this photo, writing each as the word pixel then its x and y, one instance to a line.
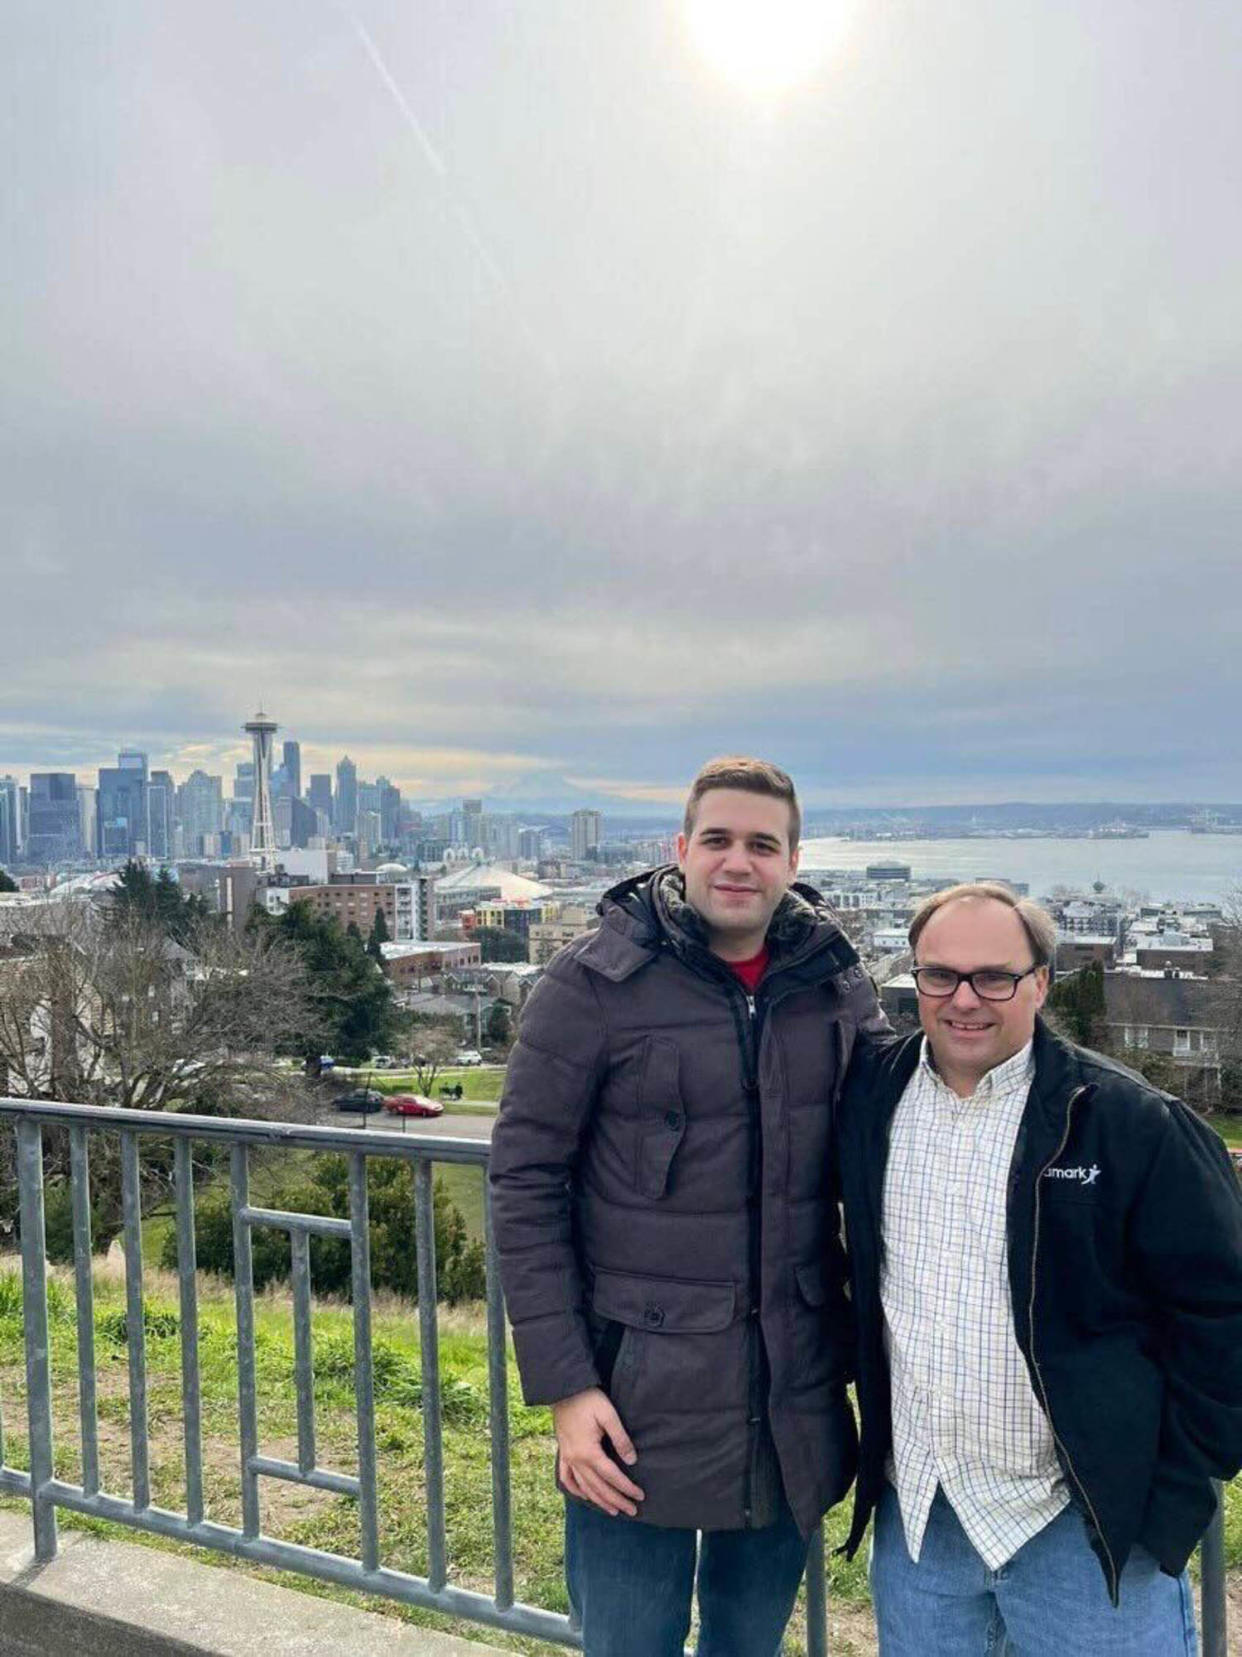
pixel 665 1303
pixel 662 1120
pixel 681 1348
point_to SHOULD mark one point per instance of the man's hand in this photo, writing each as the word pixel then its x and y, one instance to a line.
pixel 582 1424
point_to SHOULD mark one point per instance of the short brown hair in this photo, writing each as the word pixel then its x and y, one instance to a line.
pixel 1037 923
pixel 752 776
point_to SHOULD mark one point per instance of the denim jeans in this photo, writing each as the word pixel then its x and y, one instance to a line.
pixel 631 1584
pixel 1049 1600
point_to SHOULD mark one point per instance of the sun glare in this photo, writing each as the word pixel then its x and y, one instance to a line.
pixel 766 47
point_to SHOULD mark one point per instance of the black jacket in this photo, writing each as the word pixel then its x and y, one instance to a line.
pixel 658 1204
pixel 1126 1281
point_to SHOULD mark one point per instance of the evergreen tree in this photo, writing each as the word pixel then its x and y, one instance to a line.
pixel 158 899
pixel 7 883
pixel 353 1012
pixel 378 936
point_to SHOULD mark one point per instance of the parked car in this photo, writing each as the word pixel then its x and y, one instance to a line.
pixel 383 1061
pixel 413 1104
pixel 361 1099
pixel 468 1056
pixel 326 1061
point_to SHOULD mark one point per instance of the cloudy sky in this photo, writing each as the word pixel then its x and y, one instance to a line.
pixel 525 399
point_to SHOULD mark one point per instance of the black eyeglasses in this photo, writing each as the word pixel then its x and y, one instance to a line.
pixel 988 983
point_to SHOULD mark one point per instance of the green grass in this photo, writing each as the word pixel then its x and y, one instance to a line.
pixel 315 1518
pixel 318 1519
pixel 479 1085
pixel 1229 1128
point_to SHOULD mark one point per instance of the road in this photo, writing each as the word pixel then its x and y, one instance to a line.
pixel 449 1125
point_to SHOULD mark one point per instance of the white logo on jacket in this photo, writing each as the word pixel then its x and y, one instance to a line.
pixel 1088 1176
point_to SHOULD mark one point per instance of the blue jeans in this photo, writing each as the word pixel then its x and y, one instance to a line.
pixel 1050 1600
pixel 631 1584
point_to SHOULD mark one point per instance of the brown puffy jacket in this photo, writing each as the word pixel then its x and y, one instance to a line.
pixel 664 1206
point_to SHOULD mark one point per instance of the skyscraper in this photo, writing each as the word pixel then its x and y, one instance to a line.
pixel 121 808
pixel 585 832
pixel 389 811
pixel 472 810
pixel 291 756
pixel 200 808
pixel 161 815
pixel 261 730
pixel 319 794
pixel 54 835
pixel 346 815
pixel 10 820
pixel 88 818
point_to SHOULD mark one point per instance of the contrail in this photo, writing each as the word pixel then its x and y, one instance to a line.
pixel 436 162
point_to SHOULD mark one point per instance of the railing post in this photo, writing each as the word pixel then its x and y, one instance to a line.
pixel 135 1321
pixel 816 1597
pixel 1212 1604
pixel 34 1315
pixel 243 1293
pixel 191 1385
pixel 364 1378
pixel 498 1411
pixel 88 1414
pixel 429 1354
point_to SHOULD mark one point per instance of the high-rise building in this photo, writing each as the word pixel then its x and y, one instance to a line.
pixel 88 820
pixel 585 833
pixel 291 757
pixel 54 835
pixel 389 811
pixel 345 818
pixel 200 809
pixel 10 820
pixel 121 808
pixel 472 811
pixel 243 781
pixel 161 815
pixel 530 844
pixel 319 794
pixel 261 730
pixel 296 824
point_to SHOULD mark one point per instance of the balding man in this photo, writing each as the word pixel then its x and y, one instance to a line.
pixel 1047 1269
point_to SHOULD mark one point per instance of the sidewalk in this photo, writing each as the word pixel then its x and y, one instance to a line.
pixel 114 1599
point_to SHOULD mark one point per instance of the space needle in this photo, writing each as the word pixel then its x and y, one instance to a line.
pixel 261 730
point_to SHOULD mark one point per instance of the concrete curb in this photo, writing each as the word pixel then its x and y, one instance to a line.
pixel 113 1599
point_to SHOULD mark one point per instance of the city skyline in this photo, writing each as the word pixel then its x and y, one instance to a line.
pixel 530 410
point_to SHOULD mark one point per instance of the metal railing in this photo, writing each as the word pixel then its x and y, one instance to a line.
pixel 367 1573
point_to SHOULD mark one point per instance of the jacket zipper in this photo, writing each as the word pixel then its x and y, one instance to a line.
pixel 754 1263
pixel 1043 1391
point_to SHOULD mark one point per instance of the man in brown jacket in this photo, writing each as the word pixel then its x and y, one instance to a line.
pixel 668 1234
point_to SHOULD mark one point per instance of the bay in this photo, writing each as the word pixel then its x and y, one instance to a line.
pixel 1170 864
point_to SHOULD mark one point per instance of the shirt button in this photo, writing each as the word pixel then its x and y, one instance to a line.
pixel 672 1119
pixel 653 1316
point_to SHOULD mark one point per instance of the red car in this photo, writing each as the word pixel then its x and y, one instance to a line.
pixel 413 1104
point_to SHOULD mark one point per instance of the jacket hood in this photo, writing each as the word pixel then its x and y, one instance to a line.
pixel 648 911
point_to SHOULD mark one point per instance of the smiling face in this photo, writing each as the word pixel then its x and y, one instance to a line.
pixel 970 1036
pixel 737 864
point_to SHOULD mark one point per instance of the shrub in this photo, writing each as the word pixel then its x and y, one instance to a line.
pixel 460 1268
pixel 160 1323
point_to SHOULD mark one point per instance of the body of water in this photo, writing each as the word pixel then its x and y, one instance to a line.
pixel 1169 864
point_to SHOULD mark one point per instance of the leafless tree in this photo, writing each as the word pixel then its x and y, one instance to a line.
pixel 109 1010
pixel 103 1008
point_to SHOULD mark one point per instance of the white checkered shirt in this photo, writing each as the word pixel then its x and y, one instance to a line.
pixel 964 1414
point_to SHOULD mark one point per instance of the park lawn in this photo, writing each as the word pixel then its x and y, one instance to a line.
pixel 316 1518
pixel 481 1084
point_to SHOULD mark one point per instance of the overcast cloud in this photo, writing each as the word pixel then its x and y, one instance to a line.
pixel 502 396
